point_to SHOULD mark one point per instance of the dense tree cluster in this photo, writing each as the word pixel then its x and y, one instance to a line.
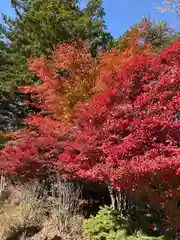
pixel 104 110
pixel 127 135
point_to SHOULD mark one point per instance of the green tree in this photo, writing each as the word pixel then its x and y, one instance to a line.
pixel 42 24
pixel 13 67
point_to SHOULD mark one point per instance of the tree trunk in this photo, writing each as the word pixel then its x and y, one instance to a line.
pixel 119 200
pixel 112 196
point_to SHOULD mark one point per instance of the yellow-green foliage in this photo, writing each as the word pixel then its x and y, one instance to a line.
pixel 108 225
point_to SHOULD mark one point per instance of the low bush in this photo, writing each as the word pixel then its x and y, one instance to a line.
pixel 109 225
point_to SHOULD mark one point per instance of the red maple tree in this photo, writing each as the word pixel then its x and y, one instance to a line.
pixel 130 133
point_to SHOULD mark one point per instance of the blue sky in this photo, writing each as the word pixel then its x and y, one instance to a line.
pixel 121 14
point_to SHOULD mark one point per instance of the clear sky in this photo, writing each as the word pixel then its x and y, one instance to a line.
pixel 121 14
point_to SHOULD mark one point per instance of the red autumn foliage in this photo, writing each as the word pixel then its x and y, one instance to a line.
pixel 128 135
pixel 57 96
pixel 133 121
pixel 35 149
